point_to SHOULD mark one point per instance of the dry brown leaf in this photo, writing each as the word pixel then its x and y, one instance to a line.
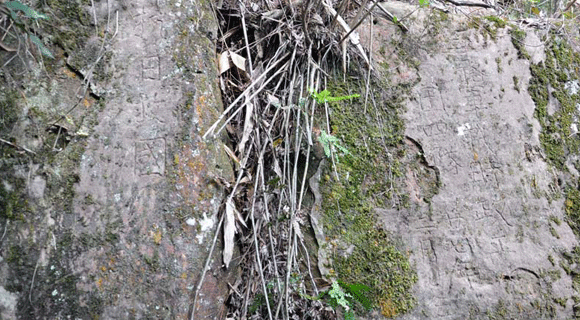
pixel 229 232
pixel 248 127
pixel 231 154
pixel 224 61
pixel 238 61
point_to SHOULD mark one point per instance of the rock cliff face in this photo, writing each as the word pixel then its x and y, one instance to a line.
pixel 493 241
pixel 467 161
pixel 111 212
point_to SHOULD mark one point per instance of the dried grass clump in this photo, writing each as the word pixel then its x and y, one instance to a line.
pixel 272 54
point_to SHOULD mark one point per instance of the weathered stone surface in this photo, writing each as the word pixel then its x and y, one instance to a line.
pixel 127 236
pixel 484 245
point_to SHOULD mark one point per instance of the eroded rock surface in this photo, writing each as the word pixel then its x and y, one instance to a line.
pixel 128 234
pixel 487 244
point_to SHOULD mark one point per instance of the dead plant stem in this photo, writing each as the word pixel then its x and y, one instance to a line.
pixel 254 231
pixel 250 87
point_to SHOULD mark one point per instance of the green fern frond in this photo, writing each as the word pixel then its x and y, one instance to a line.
pixel 324 96
pixel 359 292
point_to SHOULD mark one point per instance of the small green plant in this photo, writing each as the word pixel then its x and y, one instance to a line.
pixel 344 295
pixel 21 15
pixel 338 298
pixel 423 3
pixel 324 96
pixel 329 142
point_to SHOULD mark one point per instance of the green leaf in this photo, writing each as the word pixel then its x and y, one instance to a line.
pixel 41 46
pixel 29 12
pixel 325 140
pixel 359 292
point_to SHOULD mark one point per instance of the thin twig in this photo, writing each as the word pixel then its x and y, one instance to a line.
pixel 246 40
pixel 566 9
pixel 95 18
pixel 469 4
pixel 56 140
pixel 369 11
pixel 256 241
pixel 392 17
pixel 250 87
pixel 32 283
pixel 16 146
pixel 370 59
pixel 4 233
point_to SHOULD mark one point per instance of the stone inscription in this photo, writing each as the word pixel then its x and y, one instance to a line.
pixel 478 227
pixel 150 157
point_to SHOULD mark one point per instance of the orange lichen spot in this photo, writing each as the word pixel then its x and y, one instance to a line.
pixel 196 165
pixel 387 308
pixel 200 104
pixel 157 237
pixel 183 275
pixel 86 103
pixel 69 73
pixel 103 268
pixel 99 283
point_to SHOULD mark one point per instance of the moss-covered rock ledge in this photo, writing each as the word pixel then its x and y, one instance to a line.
pixel 365 178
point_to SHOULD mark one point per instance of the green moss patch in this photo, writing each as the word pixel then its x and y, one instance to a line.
pixel 488 25
pixel 572 208
pixel 363 252
pixel 518 37
pixel 555 82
